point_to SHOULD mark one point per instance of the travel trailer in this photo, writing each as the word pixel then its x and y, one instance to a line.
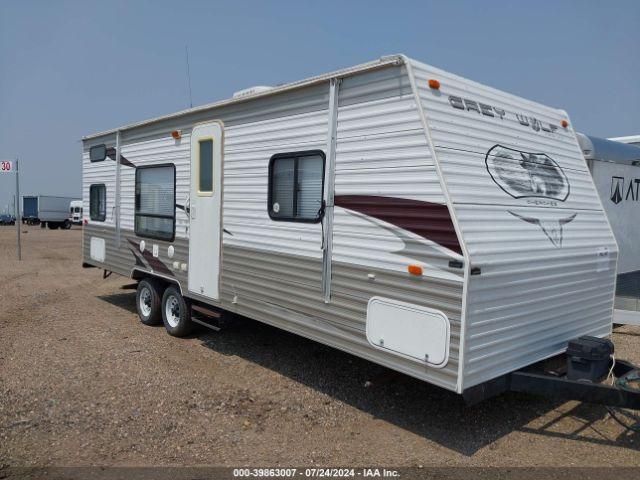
pixel 615 168
pixel 75 212
pixel 46 210
pixel 425 222
pixel 630 139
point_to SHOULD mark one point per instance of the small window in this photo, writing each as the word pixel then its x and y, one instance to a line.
pixel 205 166
pixel 98 202
pixel 98 153
pixel 296 183
pixel 155 202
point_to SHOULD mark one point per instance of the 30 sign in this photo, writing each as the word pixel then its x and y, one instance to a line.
pixel 6 166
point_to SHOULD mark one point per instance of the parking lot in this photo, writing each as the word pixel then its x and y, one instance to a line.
pixel 82 382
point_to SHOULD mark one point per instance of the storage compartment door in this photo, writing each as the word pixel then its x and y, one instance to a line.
pixel 412 331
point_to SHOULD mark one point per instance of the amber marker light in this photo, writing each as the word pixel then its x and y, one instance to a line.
pixel 177 134
pixel 564 123
pixel 433 83
pixel 415 269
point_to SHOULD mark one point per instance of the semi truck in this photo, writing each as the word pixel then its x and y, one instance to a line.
pixel 46 210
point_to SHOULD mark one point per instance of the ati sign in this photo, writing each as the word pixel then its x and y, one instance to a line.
pixel 624 190
pixel 6 166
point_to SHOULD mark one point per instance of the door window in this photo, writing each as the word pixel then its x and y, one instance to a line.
pixel 205 166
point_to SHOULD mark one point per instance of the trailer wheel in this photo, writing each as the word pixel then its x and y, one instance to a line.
pixel 66 225
pixel 148 301
pixel 176 313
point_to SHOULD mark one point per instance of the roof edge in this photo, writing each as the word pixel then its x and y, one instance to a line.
pixel 383 61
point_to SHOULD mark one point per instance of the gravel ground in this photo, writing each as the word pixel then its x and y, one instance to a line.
pixel 82 382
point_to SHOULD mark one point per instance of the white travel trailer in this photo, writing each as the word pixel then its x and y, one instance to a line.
pixel 630 139
pixel 615 168
pixel 393 210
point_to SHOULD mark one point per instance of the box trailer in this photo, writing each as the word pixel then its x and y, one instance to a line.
pixel 615 168
pixel 47 210
pixel 30 210
pixel 423 221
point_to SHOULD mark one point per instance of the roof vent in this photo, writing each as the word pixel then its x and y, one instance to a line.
pixel 251 91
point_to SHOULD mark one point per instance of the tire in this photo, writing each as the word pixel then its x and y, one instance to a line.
pixel 176 313
pixel 53 225
pixel 66 225
pixel 149 301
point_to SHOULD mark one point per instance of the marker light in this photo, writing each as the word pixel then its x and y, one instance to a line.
pixel 433 83
pixel 415 269
pixel 177 134
pixel 564 123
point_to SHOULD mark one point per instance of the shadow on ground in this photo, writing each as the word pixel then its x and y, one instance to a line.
pixel 431 412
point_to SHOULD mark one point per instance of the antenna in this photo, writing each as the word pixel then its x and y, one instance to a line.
pixel 186 49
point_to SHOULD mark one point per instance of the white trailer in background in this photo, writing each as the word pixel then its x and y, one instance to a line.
pixel 404 214
pixel 629 139
pixel 615 168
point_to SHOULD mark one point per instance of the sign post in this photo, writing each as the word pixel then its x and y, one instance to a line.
pixel 9 166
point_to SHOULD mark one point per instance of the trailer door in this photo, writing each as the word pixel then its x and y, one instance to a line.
pixel 205 209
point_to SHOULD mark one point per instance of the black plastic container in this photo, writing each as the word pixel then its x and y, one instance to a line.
pixel 588 358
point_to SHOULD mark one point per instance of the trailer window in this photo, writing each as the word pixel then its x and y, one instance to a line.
pixel 205 166
pixel 98 153
pixel 98 202
pixel 296 183
pixel 155 202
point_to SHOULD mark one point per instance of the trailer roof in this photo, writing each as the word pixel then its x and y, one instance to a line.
pixel 373 65
pixel 595 148
pixel 633 139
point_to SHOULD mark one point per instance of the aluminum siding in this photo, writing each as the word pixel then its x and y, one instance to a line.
pixel 277 265
pixel 532 295
pixel 271 271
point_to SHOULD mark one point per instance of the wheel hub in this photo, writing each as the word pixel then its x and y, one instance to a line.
pixel 172 311
pixel 145 302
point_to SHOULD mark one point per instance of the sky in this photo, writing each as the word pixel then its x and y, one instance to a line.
pixel 72 68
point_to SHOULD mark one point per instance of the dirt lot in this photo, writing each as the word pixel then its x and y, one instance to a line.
pixel 82 382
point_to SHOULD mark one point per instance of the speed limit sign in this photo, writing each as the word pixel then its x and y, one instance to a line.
pixel 6 166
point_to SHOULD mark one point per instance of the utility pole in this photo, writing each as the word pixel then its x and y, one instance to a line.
pixel 11 166
pixel 18 222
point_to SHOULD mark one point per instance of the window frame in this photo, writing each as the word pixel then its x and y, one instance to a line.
pixel 206 193
pixel 135 205
pixel 103 217
pixel 295 156
pixel 105 153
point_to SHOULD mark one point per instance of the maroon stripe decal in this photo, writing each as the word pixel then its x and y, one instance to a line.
pixel 111 153
pixel 155 264
pixel 429 220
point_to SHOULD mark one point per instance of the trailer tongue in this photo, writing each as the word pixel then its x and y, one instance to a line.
pixel 588 372
pixel 624 392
